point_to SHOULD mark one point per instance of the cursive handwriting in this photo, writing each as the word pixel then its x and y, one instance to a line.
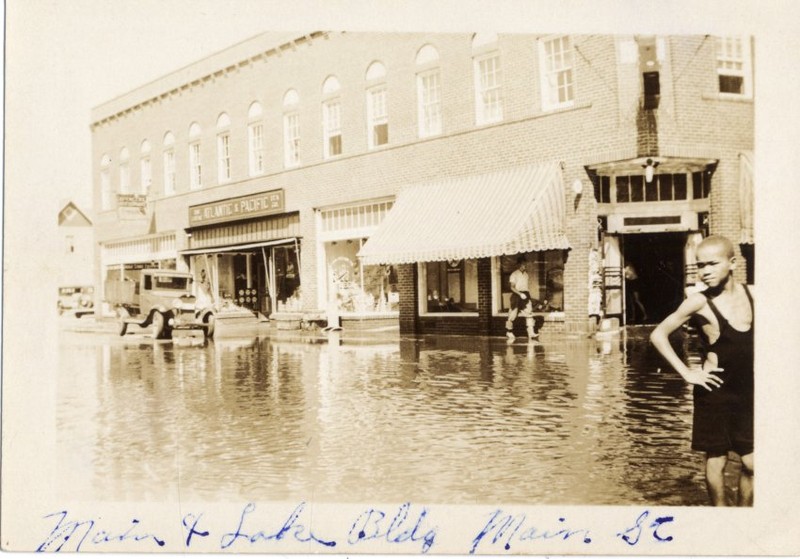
pixel 632 535
pixel 77 532
pixel 291 527
pixel 505 528
pixel 371 525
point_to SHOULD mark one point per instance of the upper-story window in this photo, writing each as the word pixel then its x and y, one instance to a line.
pixel 558 73
pixel 429 95
pixel 106 190
pixel 291 129
pixel 124 171
pixel 255 140
pixel 195 164
pixel 223 148
pixel 488 79
pixel 331 118
pixel 377 114
pixel 169 164
pixel 145 168
pixel 734 66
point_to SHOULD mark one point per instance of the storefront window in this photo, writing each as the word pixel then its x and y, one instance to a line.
pixel 451 286
pixel 545 278
pixel 287 278
pixel 356 288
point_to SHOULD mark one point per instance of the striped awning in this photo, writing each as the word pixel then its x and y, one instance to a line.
pixel 746 197
pixel 521 209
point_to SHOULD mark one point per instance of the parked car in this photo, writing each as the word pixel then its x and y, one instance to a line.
pixel 76 300
pixel 161 300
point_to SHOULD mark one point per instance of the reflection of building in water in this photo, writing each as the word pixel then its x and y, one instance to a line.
pixel 298 172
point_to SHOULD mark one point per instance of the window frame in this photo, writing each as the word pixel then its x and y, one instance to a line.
pixel 426 127
pixel 374 119
pixel 256 151
pixel 124 171
pixel 291 142
pixel 224 157
pixel 331 126
pixel 422 282
pixel 547 88
pixel 481 117
pixel 722 56
pixel 106 188
pixel 195 166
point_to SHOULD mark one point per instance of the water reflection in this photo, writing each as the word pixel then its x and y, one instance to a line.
pixel 448 419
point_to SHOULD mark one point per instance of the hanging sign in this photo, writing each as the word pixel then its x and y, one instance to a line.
pixel 233 209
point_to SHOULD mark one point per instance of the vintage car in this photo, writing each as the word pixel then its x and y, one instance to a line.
pixel 162 300
pixel 76 300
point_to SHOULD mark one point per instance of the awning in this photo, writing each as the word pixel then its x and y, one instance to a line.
pixel 237 248
pixel 516 210
pixel 746 197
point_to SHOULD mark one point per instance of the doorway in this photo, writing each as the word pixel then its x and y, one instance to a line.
pixel 658 263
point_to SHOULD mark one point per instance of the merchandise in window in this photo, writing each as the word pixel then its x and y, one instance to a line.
pixel 451 286
pixel 545 271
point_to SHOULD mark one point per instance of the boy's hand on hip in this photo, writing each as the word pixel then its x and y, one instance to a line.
pixel 705 378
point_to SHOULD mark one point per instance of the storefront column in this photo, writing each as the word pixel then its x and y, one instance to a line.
pixel 409 293
pixel 484 296
pixel 307 258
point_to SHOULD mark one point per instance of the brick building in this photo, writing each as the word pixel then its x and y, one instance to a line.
pixel 399 176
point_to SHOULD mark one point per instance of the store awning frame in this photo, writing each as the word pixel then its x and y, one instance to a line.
pixel 511 211
pixel 237 248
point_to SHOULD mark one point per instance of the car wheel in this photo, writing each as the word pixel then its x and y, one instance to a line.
pixel 122 314
pixel 210 321
pixel 157 325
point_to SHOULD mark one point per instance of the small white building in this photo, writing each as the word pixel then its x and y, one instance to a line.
pixel 76 269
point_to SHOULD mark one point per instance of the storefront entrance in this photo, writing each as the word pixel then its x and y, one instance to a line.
pixel 654 274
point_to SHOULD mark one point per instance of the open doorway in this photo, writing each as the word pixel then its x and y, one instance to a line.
pixel 658 267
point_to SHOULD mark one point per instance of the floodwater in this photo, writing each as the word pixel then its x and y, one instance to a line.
pixel 437 420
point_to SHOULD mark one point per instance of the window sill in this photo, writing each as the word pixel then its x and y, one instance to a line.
pixel 728 97
pixel 449 314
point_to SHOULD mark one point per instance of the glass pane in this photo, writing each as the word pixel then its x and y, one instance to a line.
pixel 679 182
pixel 623 189
pixel 637 188
pixel 665 187
pixel 651 190
pixel 697 186
pixel 731 84
pixel 605 190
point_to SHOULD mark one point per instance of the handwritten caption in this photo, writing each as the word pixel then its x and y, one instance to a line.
pixel 411 527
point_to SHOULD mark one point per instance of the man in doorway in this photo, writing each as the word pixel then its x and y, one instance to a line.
pixel 633 300
pixel 723 387
pixel 521 302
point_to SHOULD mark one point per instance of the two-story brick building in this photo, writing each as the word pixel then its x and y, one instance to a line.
pixel 399 176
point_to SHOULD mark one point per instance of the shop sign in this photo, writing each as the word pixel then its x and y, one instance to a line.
pixel 244 207
pixel 131 200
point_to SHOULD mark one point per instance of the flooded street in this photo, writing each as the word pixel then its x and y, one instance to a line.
pixel 437 420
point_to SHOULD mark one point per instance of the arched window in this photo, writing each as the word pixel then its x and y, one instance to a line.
pixel 488 78
pixel 429 96
pixel 169 164
pixel 124 171
pixel 223 148
pixel 195 164
pixel 377 114
pixel 331 118
pixel 255 139
pixel 291 129
pixel 145 168
pixel 106 190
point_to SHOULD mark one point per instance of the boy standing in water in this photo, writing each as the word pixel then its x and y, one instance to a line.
pixel 723 391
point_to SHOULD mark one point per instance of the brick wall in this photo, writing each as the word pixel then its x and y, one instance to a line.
pixel 692 121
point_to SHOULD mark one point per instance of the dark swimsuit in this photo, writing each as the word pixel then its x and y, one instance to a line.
pixel 723 417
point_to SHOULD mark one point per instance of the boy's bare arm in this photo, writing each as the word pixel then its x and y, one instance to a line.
pixel 660 339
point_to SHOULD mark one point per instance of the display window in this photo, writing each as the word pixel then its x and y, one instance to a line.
pixel 545 274
pixel 355 288
pixel 450 287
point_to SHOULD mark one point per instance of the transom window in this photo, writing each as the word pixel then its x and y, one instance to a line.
pixel 665 187
pixel 733 66
pixel 556 66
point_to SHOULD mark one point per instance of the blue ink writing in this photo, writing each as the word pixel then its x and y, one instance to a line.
pixel 632 535
pixel 193 530
pixel 291 527
pixel 87 531
pixel 371 525
pixel 507 528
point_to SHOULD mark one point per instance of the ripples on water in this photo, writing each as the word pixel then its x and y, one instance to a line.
pixel 448 419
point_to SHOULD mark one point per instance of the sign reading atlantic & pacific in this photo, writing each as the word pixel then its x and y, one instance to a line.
pixel 232 209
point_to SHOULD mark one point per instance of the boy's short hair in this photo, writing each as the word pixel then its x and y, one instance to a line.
pixel 721 242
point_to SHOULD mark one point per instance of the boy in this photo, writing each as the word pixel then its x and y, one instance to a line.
pixel 723 391
pixel 522 304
